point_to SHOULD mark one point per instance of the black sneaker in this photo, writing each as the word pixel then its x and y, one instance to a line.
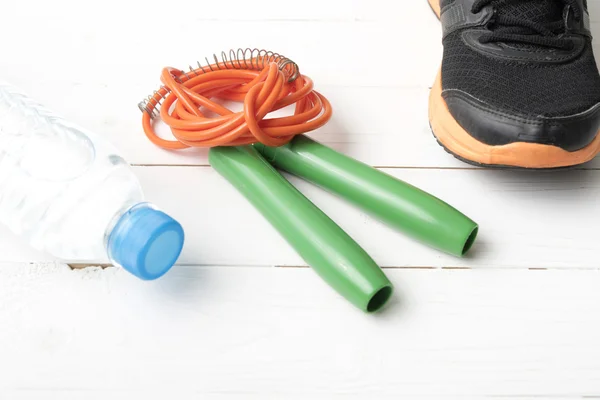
pixel 519 85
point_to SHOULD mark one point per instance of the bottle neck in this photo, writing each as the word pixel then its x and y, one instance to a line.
pixel 117 217
pixel 145 241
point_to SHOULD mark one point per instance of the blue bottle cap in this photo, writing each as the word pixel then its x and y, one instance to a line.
pixel 146 242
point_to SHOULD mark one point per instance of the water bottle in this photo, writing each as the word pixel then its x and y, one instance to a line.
pixel 68 192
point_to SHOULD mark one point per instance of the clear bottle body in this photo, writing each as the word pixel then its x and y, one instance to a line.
pixel 62 188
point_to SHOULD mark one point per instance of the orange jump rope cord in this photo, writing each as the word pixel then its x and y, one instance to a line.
pixel 261 92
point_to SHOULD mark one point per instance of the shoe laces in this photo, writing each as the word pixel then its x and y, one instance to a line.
pixel 506 28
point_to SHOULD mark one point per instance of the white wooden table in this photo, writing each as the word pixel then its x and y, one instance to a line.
pixel 242 317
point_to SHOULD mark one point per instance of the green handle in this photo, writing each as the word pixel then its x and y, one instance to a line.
pixel 397 203
pixel 334 255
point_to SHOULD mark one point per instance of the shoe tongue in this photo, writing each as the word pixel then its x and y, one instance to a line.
pixel 540 11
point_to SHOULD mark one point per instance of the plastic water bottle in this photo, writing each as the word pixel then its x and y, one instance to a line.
pixel 67 192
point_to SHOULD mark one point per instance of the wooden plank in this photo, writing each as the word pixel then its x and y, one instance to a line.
pixel 149 12
pixel 381 126
pixel 334 52
pixel 267 10
pixel 380 112
pixel 347 50
pixel 527 219
pixel 280 333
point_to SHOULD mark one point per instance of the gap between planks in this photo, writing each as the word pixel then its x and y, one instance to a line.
pixel 75 266
pixel 465 168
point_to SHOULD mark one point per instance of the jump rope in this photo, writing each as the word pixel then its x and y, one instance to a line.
pixel 246 147
pixel 262 80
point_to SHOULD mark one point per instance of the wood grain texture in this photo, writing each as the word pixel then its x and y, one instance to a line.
pixel 527 219
pixel 279 333
pixel 518 319
pixel 374 60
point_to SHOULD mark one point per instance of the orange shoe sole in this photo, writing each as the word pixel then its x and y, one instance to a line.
pixel 459 143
